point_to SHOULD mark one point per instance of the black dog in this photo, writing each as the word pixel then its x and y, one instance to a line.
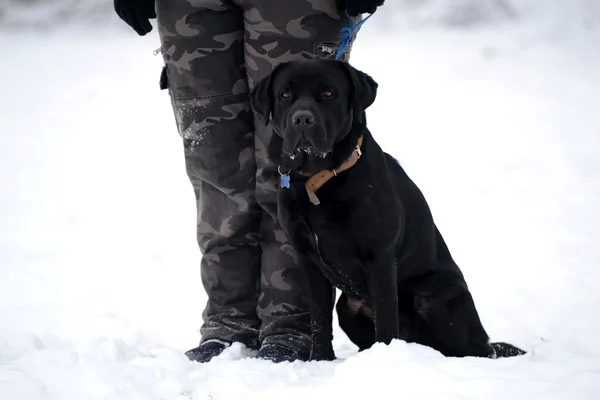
pixel 368 230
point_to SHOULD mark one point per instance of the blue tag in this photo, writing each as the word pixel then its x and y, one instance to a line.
pixel 285 181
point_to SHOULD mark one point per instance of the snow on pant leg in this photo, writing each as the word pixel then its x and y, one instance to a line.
pixel 202 46
pixel 278 31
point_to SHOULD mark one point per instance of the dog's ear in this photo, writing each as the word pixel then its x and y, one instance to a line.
pixel 260 96
pixel 261 100
pixel 364 89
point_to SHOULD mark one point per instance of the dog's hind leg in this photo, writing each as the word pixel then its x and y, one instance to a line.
pixel 356 320
pixel 452 323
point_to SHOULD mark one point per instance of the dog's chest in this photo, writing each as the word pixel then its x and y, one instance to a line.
pixel 339 249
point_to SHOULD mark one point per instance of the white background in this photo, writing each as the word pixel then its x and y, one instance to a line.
pixel 493 111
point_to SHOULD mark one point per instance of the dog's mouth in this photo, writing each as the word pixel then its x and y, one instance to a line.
pixel 309 151
pixel 304 161
pixel 304 147
pixel 302 156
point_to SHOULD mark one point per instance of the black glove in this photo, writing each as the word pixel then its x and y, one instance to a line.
pixel 356 7
pixel 137 14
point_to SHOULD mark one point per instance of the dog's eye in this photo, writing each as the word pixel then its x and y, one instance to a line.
pixel 327 93
pixel 285 94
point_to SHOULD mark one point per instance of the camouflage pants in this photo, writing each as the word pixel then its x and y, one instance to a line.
pixel 214 53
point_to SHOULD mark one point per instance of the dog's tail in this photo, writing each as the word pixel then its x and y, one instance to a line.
pixel 502 350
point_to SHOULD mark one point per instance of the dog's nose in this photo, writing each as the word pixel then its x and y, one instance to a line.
pixel 303 118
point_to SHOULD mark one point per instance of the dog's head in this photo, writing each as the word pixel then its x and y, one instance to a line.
pixel 313 106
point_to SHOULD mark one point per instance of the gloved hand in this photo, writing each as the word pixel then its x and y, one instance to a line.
pixel 356 7
pixel 137 14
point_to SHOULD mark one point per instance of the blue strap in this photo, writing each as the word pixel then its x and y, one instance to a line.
pixel 348 32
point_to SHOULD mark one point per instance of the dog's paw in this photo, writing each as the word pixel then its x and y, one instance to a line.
pixel 323 355
pixel 502 350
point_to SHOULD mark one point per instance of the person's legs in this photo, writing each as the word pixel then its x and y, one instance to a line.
pixel 275 32
pixel 202 45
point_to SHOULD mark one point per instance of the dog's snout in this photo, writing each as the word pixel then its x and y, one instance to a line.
pixel 303 118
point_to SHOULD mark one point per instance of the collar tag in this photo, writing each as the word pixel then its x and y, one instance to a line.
pixel 284 180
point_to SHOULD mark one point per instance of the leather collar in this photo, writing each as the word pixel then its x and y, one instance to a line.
pixel 320 178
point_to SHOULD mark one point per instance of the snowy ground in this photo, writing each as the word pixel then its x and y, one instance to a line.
pixel 99 283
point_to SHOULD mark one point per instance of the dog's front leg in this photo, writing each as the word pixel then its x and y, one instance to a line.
pixel 383 287
pixel 291 217
pixel 321 302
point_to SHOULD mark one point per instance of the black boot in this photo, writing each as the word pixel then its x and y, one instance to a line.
pixel 279 353
pixel 207 350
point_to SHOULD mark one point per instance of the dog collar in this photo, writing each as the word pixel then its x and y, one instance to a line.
pixel 319 179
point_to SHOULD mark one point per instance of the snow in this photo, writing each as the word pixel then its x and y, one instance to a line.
pixel 494 116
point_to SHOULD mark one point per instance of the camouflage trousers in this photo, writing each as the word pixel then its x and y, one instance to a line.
pixel 214 52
